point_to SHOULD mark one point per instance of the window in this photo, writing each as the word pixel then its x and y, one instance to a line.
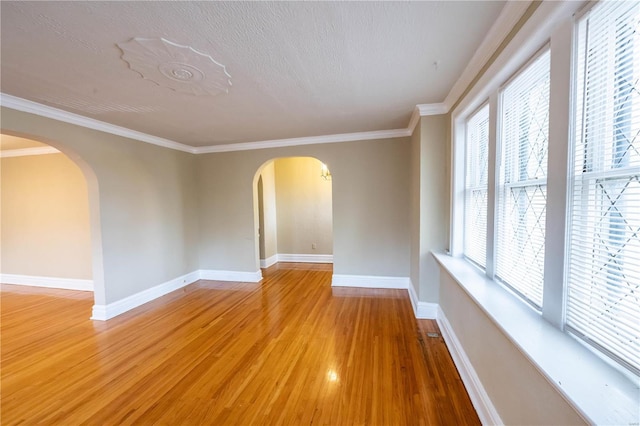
pixel 603 282
pixel 563 201
pixel 522 194
pixel 552 204
pixel 475 189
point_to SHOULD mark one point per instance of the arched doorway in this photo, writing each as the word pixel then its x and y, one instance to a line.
pixel 51 226
pixel 293 211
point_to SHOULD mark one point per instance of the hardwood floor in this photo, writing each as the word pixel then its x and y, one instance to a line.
pixel 291 350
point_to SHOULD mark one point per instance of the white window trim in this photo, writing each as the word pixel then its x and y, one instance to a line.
pixel 498 167
pixel 553 22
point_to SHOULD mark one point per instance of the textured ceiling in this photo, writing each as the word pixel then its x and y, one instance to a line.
pixel 297 68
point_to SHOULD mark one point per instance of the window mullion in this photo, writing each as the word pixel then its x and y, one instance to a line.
pixel 492 183
pixel 553 292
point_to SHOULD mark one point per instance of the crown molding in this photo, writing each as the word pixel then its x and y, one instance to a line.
pixel 23 152
pixel 415 119
pixel 509 16
pixel 423 110
pixel 31 107
pixel 432 109
pixel 311 140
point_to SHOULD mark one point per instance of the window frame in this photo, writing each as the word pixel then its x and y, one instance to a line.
pixel 499 168
pixel 562 44
pixel 569 366
pixel 603 351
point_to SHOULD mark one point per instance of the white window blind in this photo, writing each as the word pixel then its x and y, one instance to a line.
pixel 475 189
pixel 522 194
pixel 603 281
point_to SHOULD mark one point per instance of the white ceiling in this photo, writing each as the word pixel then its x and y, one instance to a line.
pixel 297 69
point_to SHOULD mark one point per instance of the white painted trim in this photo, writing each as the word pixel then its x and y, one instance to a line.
pixel 105 312
pixel 413 297
pixel 236 276
pixel 24 152
pixel 422 110
pixel 311 140
pixel 414 120
pixel 31 107
pixel 298 258
pixel 531 37
pixel 432 109
pixel 305 258
pixel 49 282
pixel 427 310
pixel 481 402
pixel 90 123
pixel 509 16
pixel 367 281
pixel 422 310
pixel 269 261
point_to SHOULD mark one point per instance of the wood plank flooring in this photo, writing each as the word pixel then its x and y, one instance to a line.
pixel 291 350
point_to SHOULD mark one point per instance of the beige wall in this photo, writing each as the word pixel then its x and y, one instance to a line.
pixel 434 205
pixel 519 392
pixel 429 216
pixel 269 225
pixel 157 213
pixel 304 207
pixel 143 202
pixel 44 218
pixel 370 205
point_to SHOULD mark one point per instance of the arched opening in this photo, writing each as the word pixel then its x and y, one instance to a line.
pixel 50 217
pixel 293 211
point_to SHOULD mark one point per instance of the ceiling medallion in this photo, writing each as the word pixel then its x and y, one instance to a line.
pixel 177 67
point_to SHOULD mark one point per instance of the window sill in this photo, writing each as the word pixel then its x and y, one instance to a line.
pixel 596 390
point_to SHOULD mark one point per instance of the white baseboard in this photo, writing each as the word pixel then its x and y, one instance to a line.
pixel 245 277
pixel 298 258
pixel 49 282
pixel 479 398
pixel 422 310
pixel 105 312
pixel 366 281
pixel 269 261
pixel 305 258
